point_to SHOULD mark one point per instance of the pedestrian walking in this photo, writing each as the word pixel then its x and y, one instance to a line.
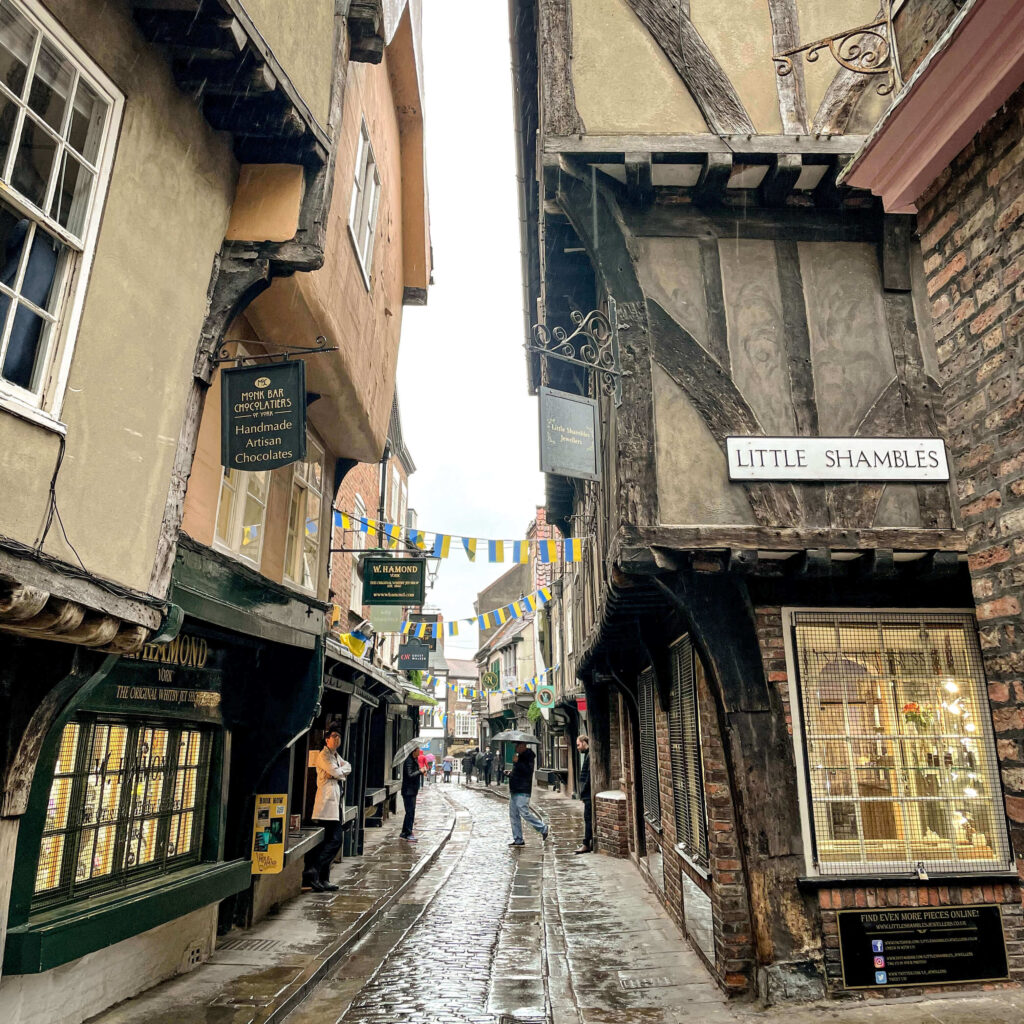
pixel 331 772
pixel 446 768
pixel 412 779
pixel 488 766
pixel 467 768
pixel 583 746
pixel 520 786
pixel 479 763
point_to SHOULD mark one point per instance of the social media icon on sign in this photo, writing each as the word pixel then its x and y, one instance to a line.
pixel 877 946
pixel 881 978
pixel 879 961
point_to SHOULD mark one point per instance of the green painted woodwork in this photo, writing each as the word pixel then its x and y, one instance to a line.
pixel 67 933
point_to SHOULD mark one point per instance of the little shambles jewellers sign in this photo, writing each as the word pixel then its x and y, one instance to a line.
pixel 394 581
pixel 922 946
pixel 570 435
pixel 263 416
pixel 911 460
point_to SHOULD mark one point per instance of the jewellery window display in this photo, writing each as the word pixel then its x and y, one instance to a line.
pixel 898 744
pixel 126 799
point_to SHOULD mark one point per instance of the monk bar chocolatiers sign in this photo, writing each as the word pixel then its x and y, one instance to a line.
pixel 910 459
pixel 394 581
pixel 263 416
pixel 922 946
pixel 570 435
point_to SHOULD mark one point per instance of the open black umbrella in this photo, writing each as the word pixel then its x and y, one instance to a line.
pixel 515 736
pixel 405 750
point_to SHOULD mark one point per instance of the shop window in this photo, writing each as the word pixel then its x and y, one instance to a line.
pixel 896 739
pixel 362 214
pixel 302 551
pixel 684 744
pixel 241 513
pixel 358 541
pixel 649 748
pixel 57 115
pixel 127 799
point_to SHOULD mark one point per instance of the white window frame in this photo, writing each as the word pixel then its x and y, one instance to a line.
pixel 45 407
pixel 237 514
pixel 365 203
pixel 355 595
pixel 806 813
pixel 303 482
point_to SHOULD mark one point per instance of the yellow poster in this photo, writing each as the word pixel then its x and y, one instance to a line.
pixel 268 833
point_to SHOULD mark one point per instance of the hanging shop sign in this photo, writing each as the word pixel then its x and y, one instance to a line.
pixel 401 581
pixel 922 946
pixel 268 833
pixel 908 459
pixel 570 435
pixel 413 656
pixel 386 618
pixel 545 695
pixel 263 416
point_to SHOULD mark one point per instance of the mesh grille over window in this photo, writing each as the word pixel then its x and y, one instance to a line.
pixel 649 748
pixel 900 753
pixel 684 743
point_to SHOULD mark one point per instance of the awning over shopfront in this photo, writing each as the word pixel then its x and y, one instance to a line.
pixel 414 695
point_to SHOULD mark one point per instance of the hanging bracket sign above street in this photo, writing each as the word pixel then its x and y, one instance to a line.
pixel 570 435
pixel 816 459
pixel 413 656
pixel 263 416
pixel 394 581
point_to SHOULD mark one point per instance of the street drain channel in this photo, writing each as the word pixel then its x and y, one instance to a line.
pixel 509 1018
pixel 632 982
pixel 258 945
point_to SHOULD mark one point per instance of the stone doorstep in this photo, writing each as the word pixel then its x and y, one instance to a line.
pixel 289 996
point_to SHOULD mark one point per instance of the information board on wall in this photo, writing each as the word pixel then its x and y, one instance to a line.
pixel 813 459
pixel 922 946
pixel 570 435
pixel 268 833
pixel 401 581
pixel 263 416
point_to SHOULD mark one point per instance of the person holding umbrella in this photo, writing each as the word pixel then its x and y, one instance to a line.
pixel 408 757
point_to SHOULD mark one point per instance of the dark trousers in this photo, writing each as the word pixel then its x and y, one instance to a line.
pixel 487 776
pixel 410 813
pixel 322 858
pixel 447 776
pixel 588 822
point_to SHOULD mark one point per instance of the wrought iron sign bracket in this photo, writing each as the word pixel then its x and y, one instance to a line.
pixel 286 352
pixel 866 50
pixel 593 345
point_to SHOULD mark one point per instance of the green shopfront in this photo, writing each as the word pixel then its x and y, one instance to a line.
pixel 136 837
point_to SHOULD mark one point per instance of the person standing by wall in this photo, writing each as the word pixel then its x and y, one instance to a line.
pixel 412 779
pixel 488 766
pixel 520 786
pixel 331 772
pixel 583 746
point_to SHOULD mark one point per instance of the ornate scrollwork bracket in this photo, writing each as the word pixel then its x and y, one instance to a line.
pixel 284 352
pixel 866 50
pixel 594 345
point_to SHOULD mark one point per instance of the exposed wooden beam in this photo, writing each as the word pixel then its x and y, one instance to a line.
pixel 791 89
pixel 702 142
pixel 709 85
pixel 714 179
pixel 699 538
pixel 639 187
pixel 561 117
pixel 778 183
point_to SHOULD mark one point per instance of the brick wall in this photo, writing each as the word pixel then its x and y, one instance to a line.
pixel 611 825
pixel 971 224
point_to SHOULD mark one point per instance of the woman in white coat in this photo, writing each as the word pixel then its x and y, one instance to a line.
pixel 331 772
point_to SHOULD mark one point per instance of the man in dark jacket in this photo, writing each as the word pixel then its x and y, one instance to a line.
pixel 583 746
pixel 467 768
pixel 520 786
pixel 488 766
pixel 412 776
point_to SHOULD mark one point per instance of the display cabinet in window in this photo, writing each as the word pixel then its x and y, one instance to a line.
pixel 897 744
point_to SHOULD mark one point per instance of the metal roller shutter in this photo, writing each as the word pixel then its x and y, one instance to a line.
pixel 684 743
pixel 649 748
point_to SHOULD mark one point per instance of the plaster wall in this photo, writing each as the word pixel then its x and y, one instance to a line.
pixel 170 192
pixel 623 81
pixel 357 382
pixel 82 988
pixel 301 34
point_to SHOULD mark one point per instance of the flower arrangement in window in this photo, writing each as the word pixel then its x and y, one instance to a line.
pixel 915 715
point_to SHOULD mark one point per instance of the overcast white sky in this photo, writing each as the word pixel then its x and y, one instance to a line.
pixel 468 420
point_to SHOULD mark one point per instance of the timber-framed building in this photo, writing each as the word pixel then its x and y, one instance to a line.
pixel 785 696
